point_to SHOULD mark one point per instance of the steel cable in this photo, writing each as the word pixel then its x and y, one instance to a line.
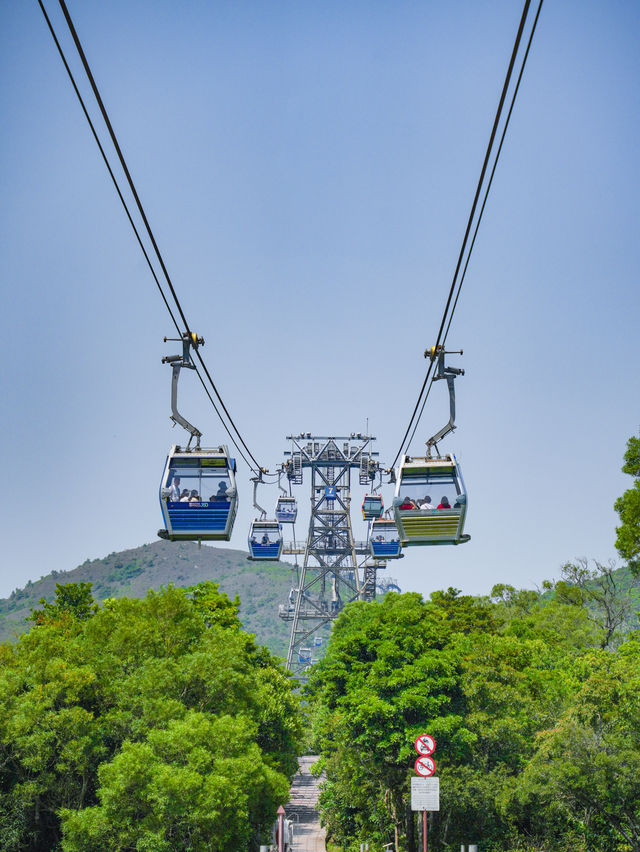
pixel 145 220
pixel 484 202
pixel 422 397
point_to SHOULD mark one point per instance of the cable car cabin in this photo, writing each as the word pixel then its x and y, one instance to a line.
pixel 431 501
pixel 198 495
pixel 384 540
pixel 265 540
pixel 372 507
pixel 287 510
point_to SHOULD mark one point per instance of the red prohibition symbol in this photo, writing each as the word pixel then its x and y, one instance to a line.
pixel 425 744
pixel 425 766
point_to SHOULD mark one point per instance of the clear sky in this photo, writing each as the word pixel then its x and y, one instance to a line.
pixel 308 169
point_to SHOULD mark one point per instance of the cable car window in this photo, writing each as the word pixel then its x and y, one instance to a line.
pixel 192 483
pixel 265 532
pixel 386 533
pixel 429 490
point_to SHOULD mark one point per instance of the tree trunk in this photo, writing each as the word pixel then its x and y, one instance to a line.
pixel 411 834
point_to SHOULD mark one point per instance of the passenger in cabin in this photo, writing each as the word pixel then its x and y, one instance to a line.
pixel 407 504
pixel 444 503
pixel 184 496
pixel 265 539
pixel 194 497
pixel 174 494
pixel 222 493
pixel 426 503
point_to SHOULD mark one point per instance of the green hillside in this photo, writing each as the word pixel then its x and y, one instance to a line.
pixel 261 586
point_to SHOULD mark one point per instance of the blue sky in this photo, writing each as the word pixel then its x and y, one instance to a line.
pixel 308 170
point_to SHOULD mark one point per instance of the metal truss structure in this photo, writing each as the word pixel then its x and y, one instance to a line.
pixel 330 575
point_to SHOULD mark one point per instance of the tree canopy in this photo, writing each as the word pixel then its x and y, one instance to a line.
pixel 524 702
pixel 628 508
pixel 152 724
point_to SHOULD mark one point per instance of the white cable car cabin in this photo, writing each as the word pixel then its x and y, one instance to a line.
pixel 430 505
pixel 286 510
pixel 265 540
pixel 198 495
pixel 384 539
pixel 372 507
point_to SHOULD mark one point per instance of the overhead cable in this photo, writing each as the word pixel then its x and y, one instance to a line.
pixel 447 315
pixel 145 220
pixel 484 202
pixel 107 164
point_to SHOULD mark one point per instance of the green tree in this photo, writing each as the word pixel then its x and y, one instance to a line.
pixel 601 591
pixel 71 599
pixel 199 784
pixel 483 678
pixel 628 508
pixel 89 691
pixel 585 772
pixel 387 676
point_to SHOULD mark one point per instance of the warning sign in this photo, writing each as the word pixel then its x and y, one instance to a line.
pixel 425 744
pixel 425 766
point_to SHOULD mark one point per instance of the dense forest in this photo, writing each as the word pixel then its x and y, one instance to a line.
pixel 261 586
pixel 532 698
pixel 157 723
pixel 153 724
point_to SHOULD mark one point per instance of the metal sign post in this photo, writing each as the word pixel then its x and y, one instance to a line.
pixel 424 831
pixel 281 829
pixel 425 791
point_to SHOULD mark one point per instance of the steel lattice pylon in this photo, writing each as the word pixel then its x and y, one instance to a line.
pixel 330 575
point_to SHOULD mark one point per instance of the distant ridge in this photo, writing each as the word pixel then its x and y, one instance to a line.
pixel 261 586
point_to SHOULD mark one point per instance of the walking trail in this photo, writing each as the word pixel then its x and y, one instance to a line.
pixel 309 836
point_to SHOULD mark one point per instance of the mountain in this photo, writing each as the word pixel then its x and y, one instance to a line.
pixel 261 586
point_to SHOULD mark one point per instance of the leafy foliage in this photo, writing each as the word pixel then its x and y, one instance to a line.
pixel 531 719
pixel 261 585
pixel 586 769
pixel 134 726
pixel 628 507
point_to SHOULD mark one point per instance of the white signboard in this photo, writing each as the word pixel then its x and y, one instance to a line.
pixel 425 794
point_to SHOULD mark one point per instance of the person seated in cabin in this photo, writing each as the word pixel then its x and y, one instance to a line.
pixel 174 494
pixel 444 503
pixel 221 494
pixel 265 539
pixel 407 504
pixel 184 496
pixel 426 503
pixel 194 497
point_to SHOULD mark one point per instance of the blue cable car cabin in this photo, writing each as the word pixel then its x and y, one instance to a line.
pixel 430 505
pixel 265 540
pixel 304 655
pixel 384 540
pixel 286 510
pixel 372 507
pixel 198 495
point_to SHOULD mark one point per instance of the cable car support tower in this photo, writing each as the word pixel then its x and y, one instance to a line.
pixel 330 575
